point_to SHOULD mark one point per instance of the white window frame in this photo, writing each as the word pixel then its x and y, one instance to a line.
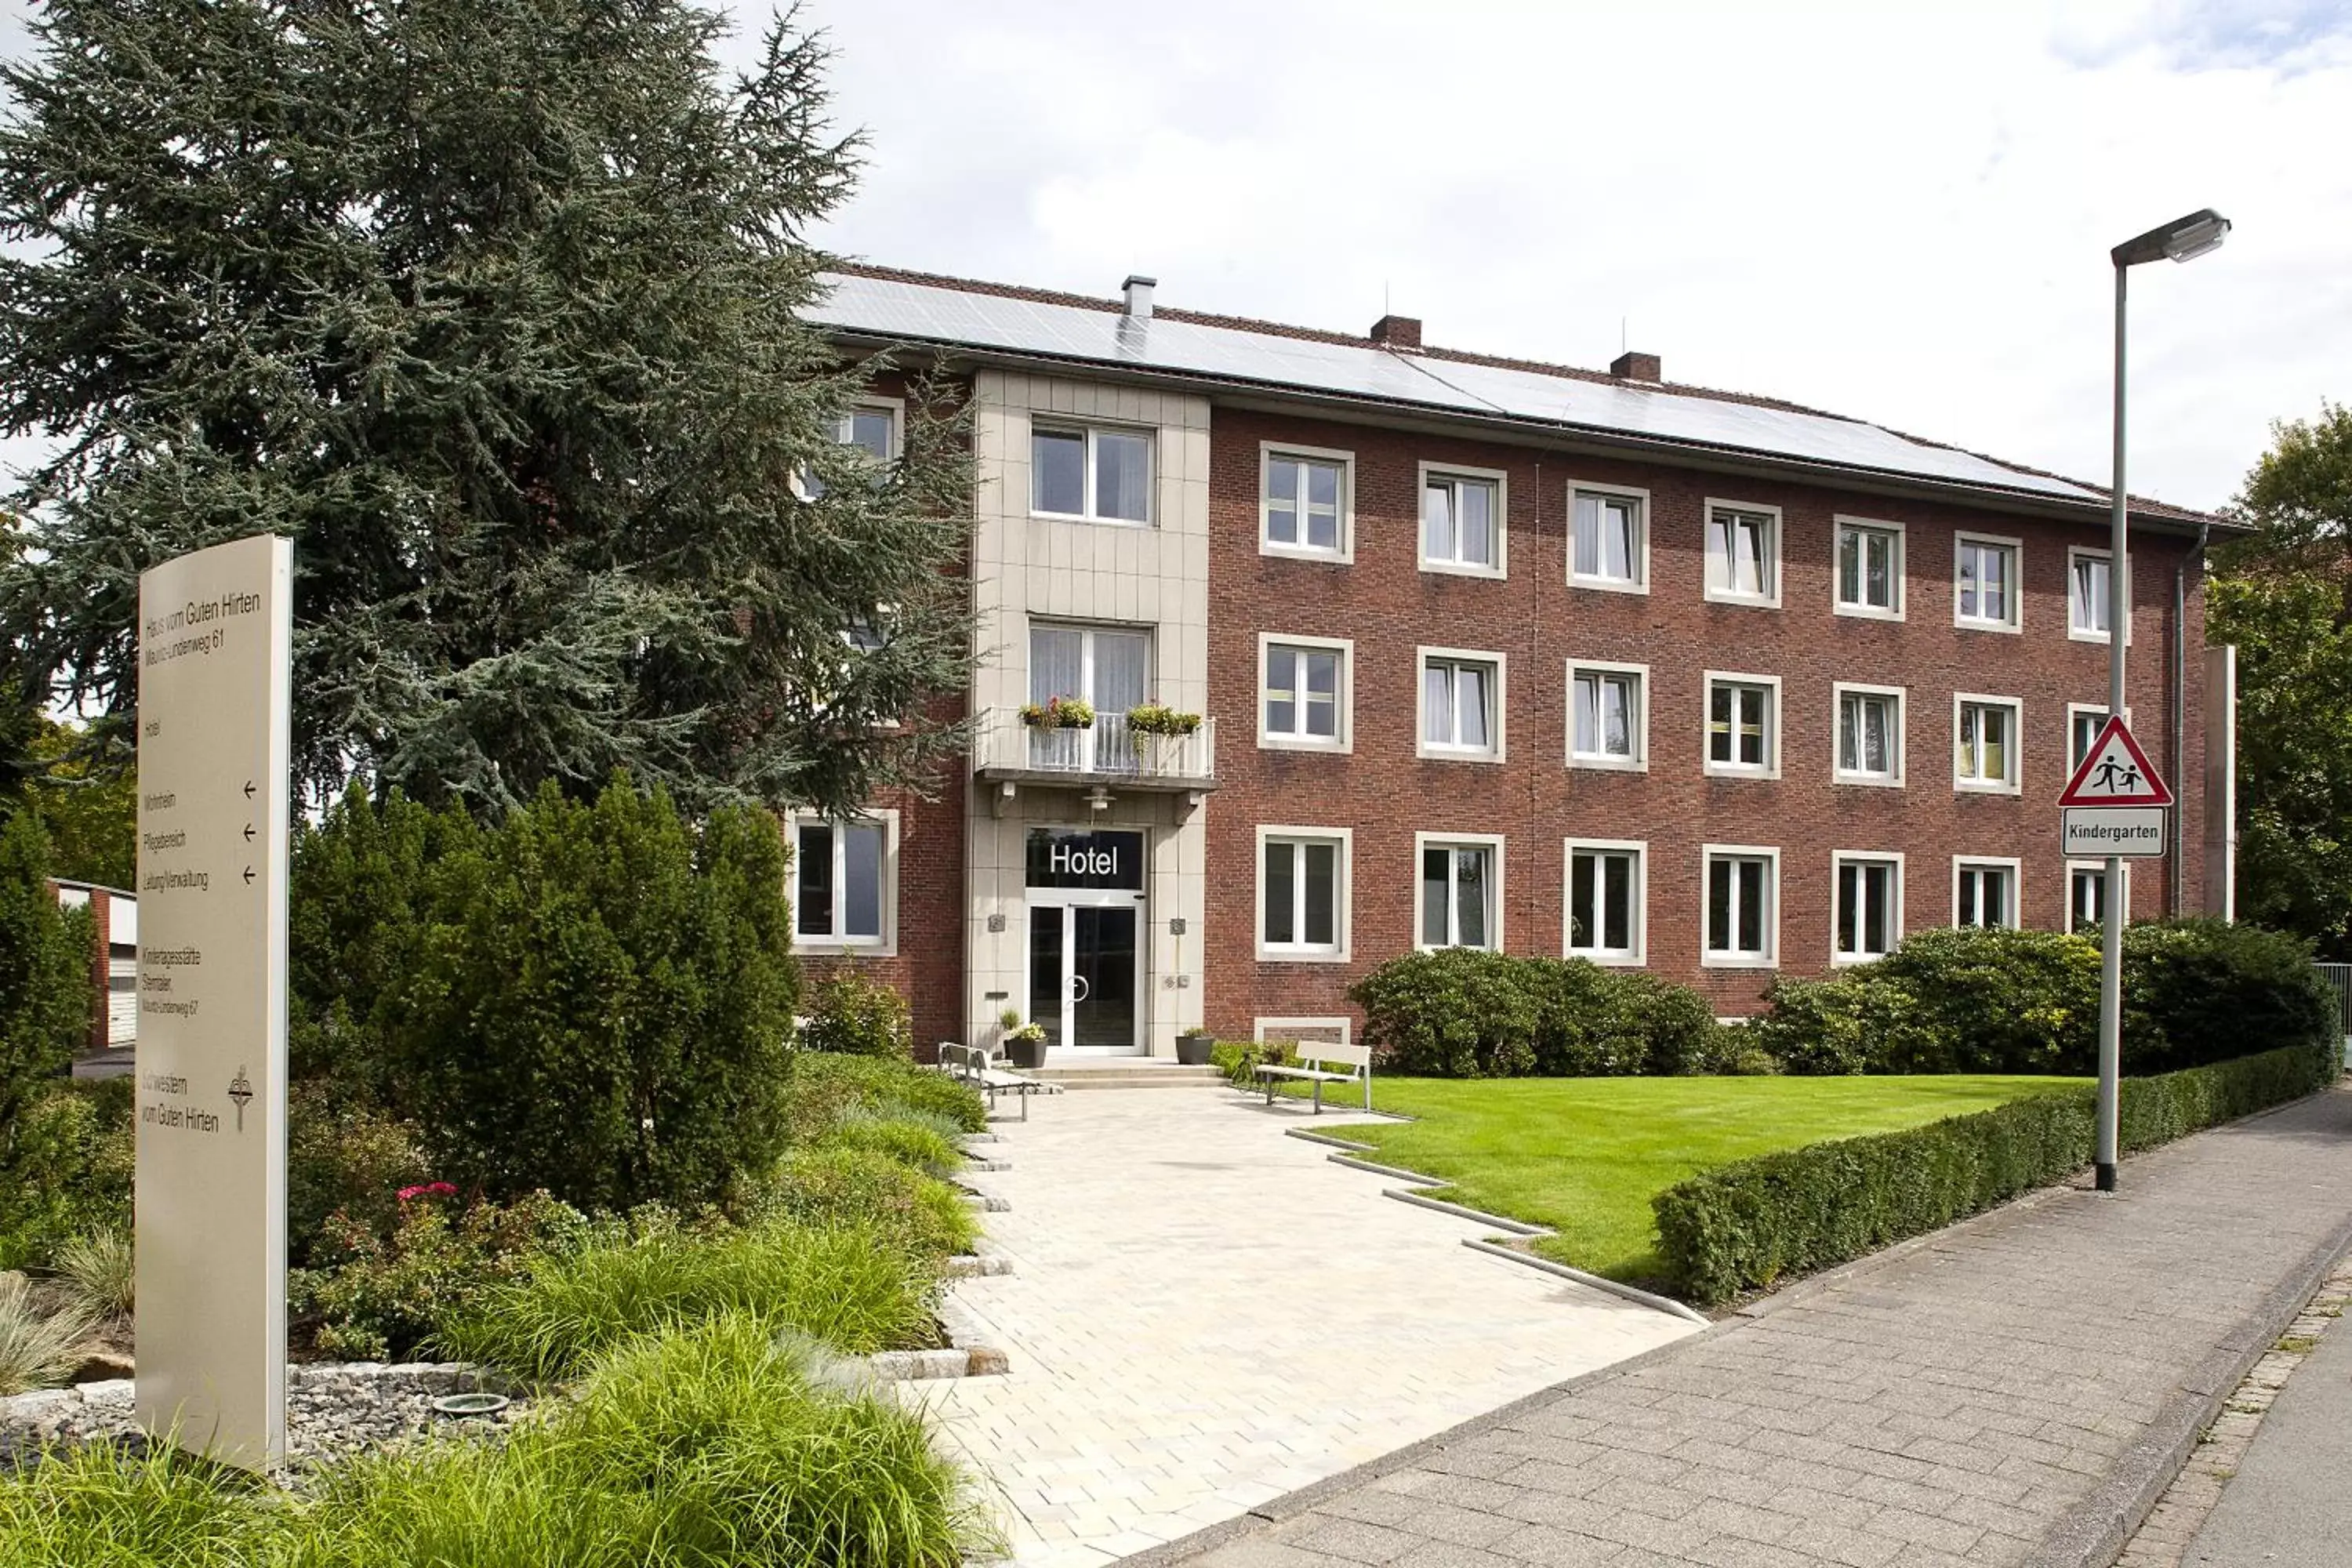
pixel 1709 680
pixel 1776 541
pixel 2074 712
pixel 1897 567
pixel 2016 870
pixel 1267 451
pixel 1639 558
pixel 1639 762
pixel 1422 745
pixel 1424 842
pixel 1839 691
pixel 886 944
pixel 1607 958
pixel 1839 860
pixel 1501 481
pixel 2096 868
pixel 2016 548
pixel 1712 958
pixel 1342 893
pixel 2012 783
pixel 895 407
pixel 1346 648
pixel 2076 634
pixel 1093 429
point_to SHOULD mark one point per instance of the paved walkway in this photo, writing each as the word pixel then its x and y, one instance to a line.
pixel 1206 1314
pixel 2014 1391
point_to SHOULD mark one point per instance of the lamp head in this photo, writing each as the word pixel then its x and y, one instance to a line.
pixel 2182 239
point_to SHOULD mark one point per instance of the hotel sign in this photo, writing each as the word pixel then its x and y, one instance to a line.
pixel 215 672
pixel 1063 858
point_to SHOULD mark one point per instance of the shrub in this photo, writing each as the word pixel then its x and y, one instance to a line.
pixel 102 1504
pixel 37 1349
pixel 1748 1226
pixel 1997 1001
pixel 847 1188
pixel 2199 990
pixel 846 1286
pixel 101 1272
pixel 917 1143
pixel 45 967
pixel 823 1085
pixel 1848 1022
pixel 379 1297
pixel 1454 1013
pixel 850 1014
pixel 343 1156
pixel 597 1001
pixel 65 1169
pixel 1592 1022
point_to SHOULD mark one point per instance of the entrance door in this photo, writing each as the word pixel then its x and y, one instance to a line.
pixel 1085 974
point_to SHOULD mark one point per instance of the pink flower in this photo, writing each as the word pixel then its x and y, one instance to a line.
pixel 429 1190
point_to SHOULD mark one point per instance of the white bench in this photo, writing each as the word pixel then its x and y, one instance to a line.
pixel 977 1066
pixel 1316 1057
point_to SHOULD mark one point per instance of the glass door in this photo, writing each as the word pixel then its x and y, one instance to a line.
pixel 1086 974
pixel 1049 972
pixel 1109 669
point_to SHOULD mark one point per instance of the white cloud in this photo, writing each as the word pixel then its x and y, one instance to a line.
pixel 1895 212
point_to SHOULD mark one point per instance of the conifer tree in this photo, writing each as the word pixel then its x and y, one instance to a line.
pixel 495 308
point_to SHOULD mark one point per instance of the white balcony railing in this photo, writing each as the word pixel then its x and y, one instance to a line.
pixel 1106 751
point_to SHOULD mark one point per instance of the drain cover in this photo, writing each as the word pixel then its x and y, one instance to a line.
pixel 470 1403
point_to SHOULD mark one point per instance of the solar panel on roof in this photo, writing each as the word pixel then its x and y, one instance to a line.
pixel 928 314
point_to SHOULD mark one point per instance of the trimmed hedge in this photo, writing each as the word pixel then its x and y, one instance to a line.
pixel 1748 1226
pixel 1462 1013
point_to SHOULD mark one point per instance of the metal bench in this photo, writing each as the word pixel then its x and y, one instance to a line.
pixel 1323 1055
pixel 977 1066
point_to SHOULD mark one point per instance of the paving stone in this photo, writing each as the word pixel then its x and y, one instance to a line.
pixel 1943 1407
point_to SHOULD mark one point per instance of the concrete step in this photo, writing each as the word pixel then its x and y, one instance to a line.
pixel 1144 1074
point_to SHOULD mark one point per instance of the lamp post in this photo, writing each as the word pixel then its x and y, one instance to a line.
pixel 2182 239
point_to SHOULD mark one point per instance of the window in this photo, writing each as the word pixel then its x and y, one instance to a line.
pixel 1308 504
pixel 1984 893
pixel 1870 569
pixel 872 428
pixel 1985 743
pixel 2083 727
pixel 1095 473
pixel 1301 685
pixel 1985 592
pixel 1461 704
pixel 1608 722
pixel 1612 544
pixel 1743 553
pixel 1462 521
pixel 842 881
pixel 1605 920
pixel 2087 594
pixel 1461 891
pixel 1869 735
pixel 1739 918
pixel 1302 893
pixel 2086 896
pixel 1869 920
pixel 1743 724
pixel 1110 669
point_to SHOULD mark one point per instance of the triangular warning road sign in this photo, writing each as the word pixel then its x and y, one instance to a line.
pixel 2115 771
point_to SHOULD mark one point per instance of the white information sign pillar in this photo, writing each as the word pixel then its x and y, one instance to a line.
pixel 215 674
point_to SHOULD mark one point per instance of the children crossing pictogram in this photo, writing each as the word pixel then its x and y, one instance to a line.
pixel 2115 771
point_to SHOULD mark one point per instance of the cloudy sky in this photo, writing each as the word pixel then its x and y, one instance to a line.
pixel 1897 211
pixel 1893 211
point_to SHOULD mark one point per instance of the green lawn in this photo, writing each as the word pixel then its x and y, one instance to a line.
pixel 1585 1155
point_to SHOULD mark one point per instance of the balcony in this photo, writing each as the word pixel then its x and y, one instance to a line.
pixel 1108 756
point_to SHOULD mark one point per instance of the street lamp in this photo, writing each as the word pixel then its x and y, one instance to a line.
pixel 2182 239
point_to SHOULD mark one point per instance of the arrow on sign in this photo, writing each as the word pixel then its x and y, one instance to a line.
pixel 249 875
pixel 2115 771
pixel 248 789
pixel 248 832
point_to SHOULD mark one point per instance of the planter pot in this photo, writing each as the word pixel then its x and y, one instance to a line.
pixel 1192 1050
pixel 1026 1055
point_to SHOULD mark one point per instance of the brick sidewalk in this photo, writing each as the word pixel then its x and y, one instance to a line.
pixel 2014 1390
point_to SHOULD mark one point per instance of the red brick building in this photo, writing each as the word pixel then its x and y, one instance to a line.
pixel 1483 652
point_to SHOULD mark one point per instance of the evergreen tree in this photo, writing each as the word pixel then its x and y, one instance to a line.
pixel 494 308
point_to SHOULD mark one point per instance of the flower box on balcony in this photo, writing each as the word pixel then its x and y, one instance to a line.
pixel 1059 714
pixel 1155 718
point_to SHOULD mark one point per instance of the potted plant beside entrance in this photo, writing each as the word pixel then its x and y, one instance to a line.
pixel 1192 1047
pixel 1024 1044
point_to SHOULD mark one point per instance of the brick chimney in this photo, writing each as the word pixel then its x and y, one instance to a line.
pixel 1637 367
pixel 1397 332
